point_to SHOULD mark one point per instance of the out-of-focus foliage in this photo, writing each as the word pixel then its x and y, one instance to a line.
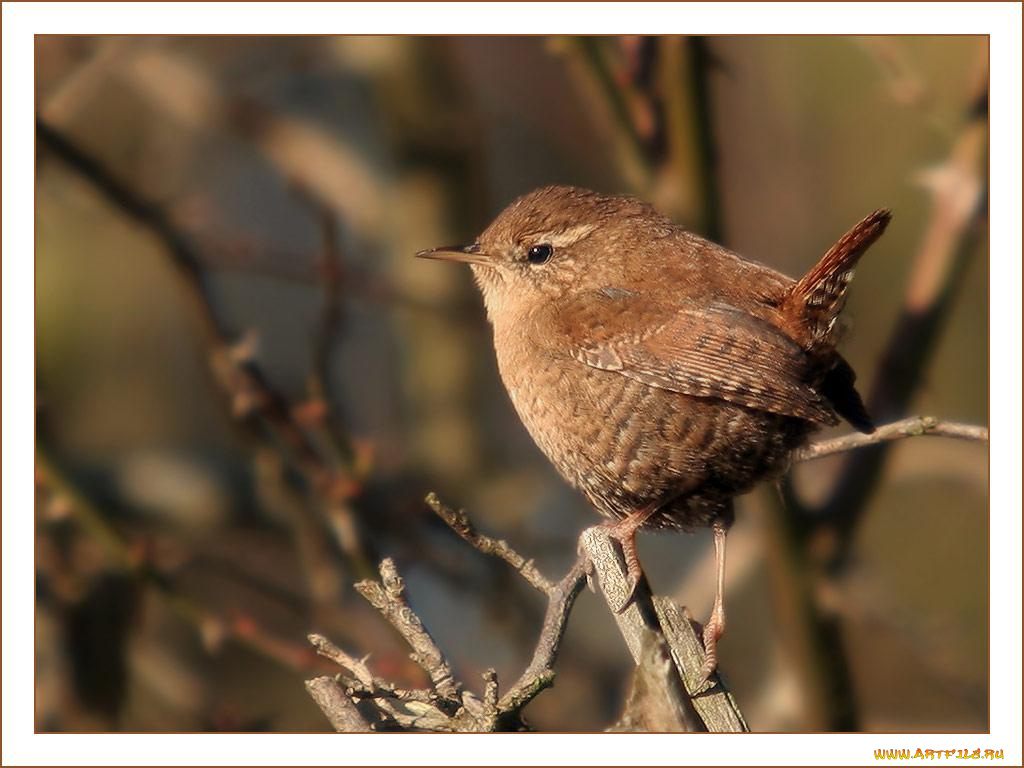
pixel 181 556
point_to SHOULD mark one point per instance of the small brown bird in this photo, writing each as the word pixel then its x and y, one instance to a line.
pixel 661 373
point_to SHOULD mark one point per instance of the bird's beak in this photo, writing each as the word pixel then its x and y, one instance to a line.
pixel 470 254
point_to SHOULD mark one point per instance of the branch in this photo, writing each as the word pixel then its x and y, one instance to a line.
pixel 540 673
pixel 270 419
pixel 654 629
pixel 459 522
pixel 915 426
pixel 339 709
pixel 808 543
pixel 459 710
pixel 386 596
pixel 232 363
pixel 648 620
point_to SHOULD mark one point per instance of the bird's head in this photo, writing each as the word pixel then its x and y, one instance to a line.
pixel 553 243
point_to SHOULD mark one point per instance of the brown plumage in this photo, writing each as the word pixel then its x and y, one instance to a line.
pixel 661 373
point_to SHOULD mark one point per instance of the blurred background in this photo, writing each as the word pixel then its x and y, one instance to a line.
pixel 246 384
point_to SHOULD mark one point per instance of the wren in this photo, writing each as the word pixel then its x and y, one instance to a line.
pixel 660 373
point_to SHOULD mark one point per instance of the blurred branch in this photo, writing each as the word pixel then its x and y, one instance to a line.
pixel 252 398
pixel 130 557
pixel 951 238
pixel 655 96
pixel 587 62
pixel 689 170
pixel 330 317
pixel 915 426
pixel 812 544
pixel 241 378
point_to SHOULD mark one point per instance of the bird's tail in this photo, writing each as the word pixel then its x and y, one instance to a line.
pixel 815 301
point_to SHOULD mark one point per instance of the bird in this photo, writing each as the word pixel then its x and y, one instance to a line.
pixel 660 373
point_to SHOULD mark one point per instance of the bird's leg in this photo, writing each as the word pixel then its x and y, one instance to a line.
pixel 624 531
pixel 716 624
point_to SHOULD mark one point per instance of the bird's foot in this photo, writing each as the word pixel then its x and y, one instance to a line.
pixel 624 531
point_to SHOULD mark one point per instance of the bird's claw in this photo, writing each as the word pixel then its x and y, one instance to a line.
pixel 707 672
pixel 632 582
pixel 591 572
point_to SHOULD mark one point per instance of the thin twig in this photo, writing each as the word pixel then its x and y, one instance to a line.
pixel 915 426
pixel 357 667
pixel 459 522
pixel 540 673
pixel 386 596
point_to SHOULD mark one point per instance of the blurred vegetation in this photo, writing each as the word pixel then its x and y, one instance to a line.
pixel 232 431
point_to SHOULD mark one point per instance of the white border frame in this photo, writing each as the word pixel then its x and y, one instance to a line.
pixel 1002 21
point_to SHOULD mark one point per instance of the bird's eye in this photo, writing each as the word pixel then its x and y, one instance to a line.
pixel 539 254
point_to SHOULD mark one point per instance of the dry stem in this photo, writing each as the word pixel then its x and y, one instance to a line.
pixel 915 426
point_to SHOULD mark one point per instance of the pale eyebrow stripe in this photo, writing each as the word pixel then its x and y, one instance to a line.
pixel 564 237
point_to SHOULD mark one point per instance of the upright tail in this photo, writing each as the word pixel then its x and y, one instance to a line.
pixel 815 301
pixel 812 307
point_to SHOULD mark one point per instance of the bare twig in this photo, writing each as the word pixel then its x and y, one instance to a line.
pixel 561 598
pixel 447 707
pixel 540 673
pixel 459 522
pixel 367 685
pixel 915 426
pixel 339 709
pixel 357 667
pixel 387 597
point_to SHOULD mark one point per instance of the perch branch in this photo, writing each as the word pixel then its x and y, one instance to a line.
pixel 646 620
pixel 915 426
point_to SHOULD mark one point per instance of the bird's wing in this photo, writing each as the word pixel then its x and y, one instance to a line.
pixel 718 352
